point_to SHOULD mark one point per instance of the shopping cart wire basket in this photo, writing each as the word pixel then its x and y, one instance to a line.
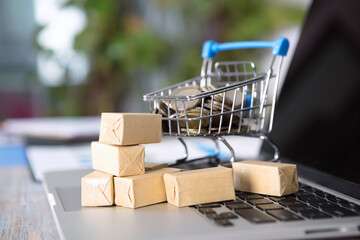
pixel 228 98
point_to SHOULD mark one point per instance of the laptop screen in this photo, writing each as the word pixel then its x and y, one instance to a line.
pixel 317 117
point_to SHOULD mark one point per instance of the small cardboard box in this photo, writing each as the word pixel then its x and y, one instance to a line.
pixel 199 186
pixel 269 178
pixel 141 190
pixel 154 166
pixel 130 128
pixel 118 160
pixel 97 189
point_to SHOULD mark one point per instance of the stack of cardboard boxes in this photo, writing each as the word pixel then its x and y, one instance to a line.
pixel 121 177
pixel 119 162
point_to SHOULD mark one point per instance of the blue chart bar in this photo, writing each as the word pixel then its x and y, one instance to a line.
pixel 12 155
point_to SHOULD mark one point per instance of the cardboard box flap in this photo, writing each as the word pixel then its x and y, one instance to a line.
pixel 288 180
pixel 117 127
pixel 133 162
pixel 97 189
pixel 128 189
pixel 112 127
pixel 101 187
pixel 118 160
pixel 104 190
pixel 172 190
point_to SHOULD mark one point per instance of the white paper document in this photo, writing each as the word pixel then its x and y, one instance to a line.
pixel 55 158
pixel 56 127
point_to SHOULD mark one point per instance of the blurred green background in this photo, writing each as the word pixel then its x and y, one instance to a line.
pixel 84 57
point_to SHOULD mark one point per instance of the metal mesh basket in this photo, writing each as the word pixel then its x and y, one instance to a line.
pixel 228 98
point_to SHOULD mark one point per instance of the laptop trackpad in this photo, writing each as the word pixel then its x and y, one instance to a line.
pixel 70 198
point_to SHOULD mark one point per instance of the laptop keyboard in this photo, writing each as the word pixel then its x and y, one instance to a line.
pixel 308 203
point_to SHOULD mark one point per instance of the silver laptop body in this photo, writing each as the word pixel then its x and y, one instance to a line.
pixel 164 221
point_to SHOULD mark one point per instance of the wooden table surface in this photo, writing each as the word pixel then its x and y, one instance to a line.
pixel 24 209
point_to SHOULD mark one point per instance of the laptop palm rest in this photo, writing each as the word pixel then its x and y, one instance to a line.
pixel 70 198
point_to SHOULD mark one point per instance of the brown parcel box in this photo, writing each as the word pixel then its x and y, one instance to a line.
pixel 269 178
pixel 130 128
pixel 97 189
pixel 118 160
pixel 141 190
pixel 199 186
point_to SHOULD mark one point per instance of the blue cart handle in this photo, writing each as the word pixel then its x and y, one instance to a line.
pixel 279 47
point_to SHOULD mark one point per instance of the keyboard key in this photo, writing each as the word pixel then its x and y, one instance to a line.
pixel 348 204
pixel 259 201
pixel 320 193
pixel 342 201
pixel 284 215
pixel 292 196
pixel 323 195
pixel 328 195
pixel 269 206
pixel 233 202
pixel 247 196
pixel 214 216
pixel 323 204
pixel 228 215
pixel 254 216
pixel 303 208
pixel 308 188
pixel 288 203
pixel 317 191
pixel 356 208
pixel 353 205
pixel 238 206
pixel 276 199
pixel 340 212
pixel 209 205
pixel 303 194
pixel 223 222
pixel 315 215
pixel 333 199
pixel 312 199
pixel 206 210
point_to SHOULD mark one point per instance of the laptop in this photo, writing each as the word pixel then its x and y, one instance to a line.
pixel 314 212
pixel 328 202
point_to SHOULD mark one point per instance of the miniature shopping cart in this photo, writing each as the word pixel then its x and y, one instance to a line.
pixel 228 98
